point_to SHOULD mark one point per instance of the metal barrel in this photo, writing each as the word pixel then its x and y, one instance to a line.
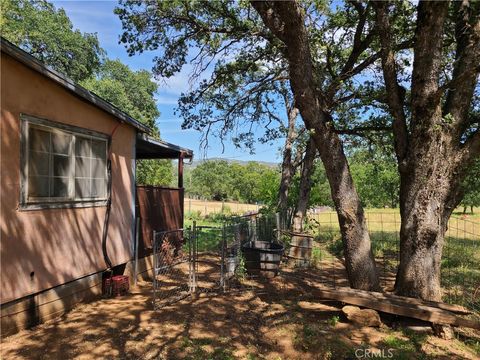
pixel 262 258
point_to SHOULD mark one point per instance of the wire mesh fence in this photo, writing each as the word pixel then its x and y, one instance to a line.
pixel 217 258
pixel 195 260
pixel 172 266
pixel 460 262
pixel 207 257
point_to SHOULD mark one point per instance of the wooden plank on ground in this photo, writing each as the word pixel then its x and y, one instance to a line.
pixel 457 309
pixel 396 305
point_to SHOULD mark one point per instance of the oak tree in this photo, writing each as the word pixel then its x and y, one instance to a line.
pixel 231 39
pixel 437 138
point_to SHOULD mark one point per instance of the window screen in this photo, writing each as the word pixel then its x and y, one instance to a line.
pixel 90 168
pixel 64 165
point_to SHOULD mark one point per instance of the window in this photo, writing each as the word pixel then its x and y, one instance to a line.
pixel 90 168
pixel 62 164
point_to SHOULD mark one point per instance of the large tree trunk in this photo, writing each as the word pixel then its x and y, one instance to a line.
pixel 305 186
pixel 287 164
pixel 433 154
pixel 286 20
pixel 429 194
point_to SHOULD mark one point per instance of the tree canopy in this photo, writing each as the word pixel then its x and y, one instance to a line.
pixel 349 66
pixel 221 180
pixel 131 91
pixel 471 186
pixel 48 34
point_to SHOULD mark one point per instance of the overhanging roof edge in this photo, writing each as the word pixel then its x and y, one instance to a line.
pixel 35 64
pixel 187 153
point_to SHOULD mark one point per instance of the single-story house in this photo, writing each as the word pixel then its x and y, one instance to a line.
pixel 69 201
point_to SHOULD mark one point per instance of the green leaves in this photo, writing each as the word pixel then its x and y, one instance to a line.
pixel 220 180
pixel 47 33
pixel 376 178
pixel 223 38
pixel 131 91
pixel 154 172
pixel 471 186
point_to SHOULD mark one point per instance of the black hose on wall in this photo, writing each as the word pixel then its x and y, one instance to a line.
pixel 106 221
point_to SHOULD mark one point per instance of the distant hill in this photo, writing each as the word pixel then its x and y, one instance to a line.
pixel 195 163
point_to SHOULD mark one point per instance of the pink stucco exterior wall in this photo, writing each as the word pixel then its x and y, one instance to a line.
pixel 58 245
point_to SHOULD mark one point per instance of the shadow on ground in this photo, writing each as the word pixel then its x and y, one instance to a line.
pixel 276 319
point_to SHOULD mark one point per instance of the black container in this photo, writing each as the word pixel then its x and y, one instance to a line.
pixel 262 258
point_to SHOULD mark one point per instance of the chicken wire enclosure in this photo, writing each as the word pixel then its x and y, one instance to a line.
pixel 251 250
pixel 219 258
pixel 199 259
pixel 204 258
pixel 208 245
pixel 172 266
pixel 216 255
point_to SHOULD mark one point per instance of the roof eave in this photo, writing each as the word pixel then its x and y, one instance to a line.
pixel 179 151
pixel 30 61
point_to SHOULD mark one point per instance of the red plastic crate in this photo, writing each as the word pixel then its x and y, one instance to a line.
pixel 116 285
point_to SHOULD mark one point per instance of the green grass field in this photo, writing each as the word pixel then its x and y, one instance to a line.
pixel 461 252
pixel 388 220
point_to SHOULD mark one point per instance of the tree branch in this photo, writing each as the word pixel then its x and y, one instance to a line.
pixel 454 83
pixel 395 93
pixel 362 129
pixel 359 46
pixel 466 67
pixel 471 148
pixel 333 87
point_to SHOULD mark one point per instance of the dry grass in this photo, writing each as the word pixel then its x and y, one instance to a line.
pixel 209 207
pixel 388 220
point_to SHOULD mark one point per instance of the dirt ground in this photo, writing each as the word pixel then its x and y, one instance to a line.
pixel 275 319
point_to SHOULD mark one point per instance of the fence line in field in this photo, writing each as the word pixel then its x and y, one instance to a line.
pixel 460 260
pixel 390 221
pixel 205 207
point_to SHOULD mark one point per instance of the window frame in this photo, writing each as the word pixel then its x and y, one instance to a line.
pixel 27 203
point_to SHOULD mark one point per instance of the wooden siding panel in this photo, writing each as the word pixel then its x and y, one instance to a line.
pixel 160 209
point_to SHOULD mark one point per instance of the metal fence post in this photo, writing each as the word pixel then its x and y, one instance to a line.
pixel 194 258
pixel 135 270
pixel 190 252
pixel 155 266
pixel 277 220
pixel 222 266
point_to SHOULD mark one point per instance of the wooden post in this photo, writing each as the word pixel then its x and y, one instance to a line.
pixel 180 171
pixel 180 188
pixel 136 250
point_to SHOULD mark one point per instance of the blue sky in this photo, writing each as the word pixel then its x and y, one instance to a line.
pixel 98 17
